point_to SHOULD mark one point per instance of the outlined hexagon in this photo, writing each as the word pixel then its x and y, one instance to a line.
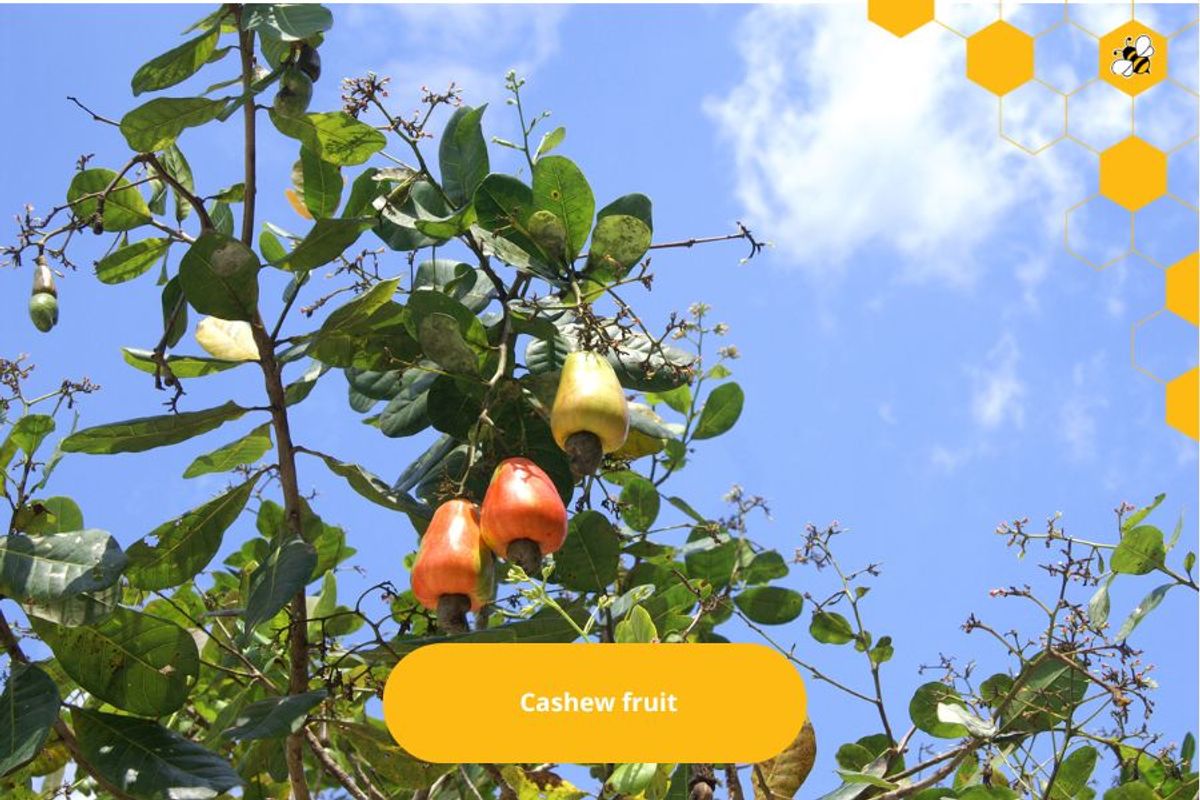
pixel 1185 58
pixel 966 18
pixel 1033 117
pixel 1183 288
pixel 1099 116
pixel 1165 231
pixel 1166 116
pixel 1164 346
pixel 1170 18
pixel 1183 174
pixel 1133 173
pixel 1099 18
pixel 1099 232
pixel 1183 407
pixel 1000 58
pixel 1065 58
pixel 900 17
pixel 1119 47
pixel 1034 18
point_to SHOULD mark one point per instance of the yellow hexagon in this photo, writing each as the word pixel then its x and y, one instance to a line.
pixel 1133 173
pixel 1183 410
pixel 901 17
pixel 1000 58
pixel 1125 61
pixel 1183 288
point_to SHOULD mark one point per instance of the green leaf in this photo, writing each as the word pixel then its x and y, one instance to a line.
pixel 327 240
pixel 1098 606
pixel 298 390
pixel 148 761
pixel 442 341
pixel 322 184
pixel 765 567
pixel 883 651
pixel 1140 551
pixel 711 557
pixel 174 323
pixel 158 123
pixel 639 504
pixel 129 262
pixel 59 565
pixel 28 709
pixel 1047 694
pixel 589 558
pixel 1148 604
pixel 246 450
pixel 273 717
pixel 550 140
pixel 828 627
pixel 1071 780
pixel 185 545
pixel 503 206
pixel 1134 519
pixel 406 413
pixel 721 411
pixel 923 709
pixel 30 431
pixel 335 137
pixel 182 367
pixel 372 487
pixel 65 513
pixel 375 747
pixel 288 22
pixel 145 433
pixel 463 155
pixel 635 205
pixel 178 168
pixel 124 206
pixel 770 605
pixel 1134 790
pixel 630 780
pixel 219 276
pixel 285 572
pixel 618 243
pixel 176 64
pixel 85 608
pixel 136 662
pixel 637 627
pixel 560 188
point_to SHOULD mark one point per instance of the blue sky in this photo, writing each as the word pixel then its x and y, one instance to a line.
pixel 922 356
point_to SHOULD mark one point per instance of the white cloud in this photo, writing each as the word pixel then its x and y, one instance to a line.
pixel 846 138
pixel 998 393
pixel 1077 424
pixel 472 45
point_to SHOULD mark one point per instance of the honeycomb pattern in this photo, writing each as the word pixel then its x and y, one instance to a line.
pixel 1099 75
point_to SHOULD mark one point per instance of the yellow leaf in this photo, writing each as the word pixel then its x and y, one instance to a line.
pixel 785 773
pixel 296 203
pixel 227 340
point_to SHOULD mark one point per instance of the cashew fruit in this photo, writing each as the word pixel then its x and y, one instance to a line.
pixel 43 310
pixel 590 416
pixel 523 517
pixel 43 277
pixel 309 62
pixel 294 95
pixel 454 568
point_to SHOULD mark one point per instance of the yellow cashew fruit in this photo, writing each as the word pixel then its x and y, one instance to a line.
pixel 590 415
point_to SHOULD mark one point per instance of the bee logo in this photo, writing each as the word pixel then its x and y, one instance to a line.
pixel 1134 57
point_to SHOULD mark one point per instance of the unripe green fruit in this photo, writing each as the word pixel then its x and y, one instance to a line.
pixel 43 310
pixel 309 61
pixel 294 95
pixel 548 231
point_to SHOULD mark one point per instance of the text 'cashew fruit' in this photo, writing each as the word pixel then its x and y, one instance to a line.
pixel 523 517
pixel 454 568
pixel 590 415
